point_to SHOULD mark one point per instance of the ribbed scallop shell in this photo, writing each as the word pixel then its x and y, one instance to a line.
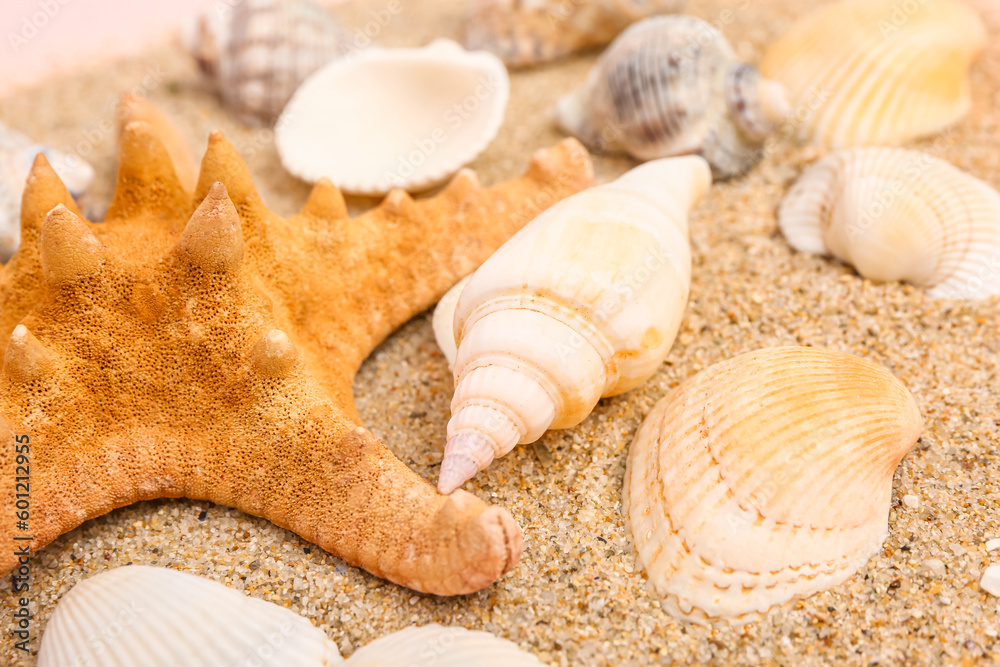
pixel 899 215
pixel 17 152
pixel 528 33
pixel 671 85
pixel 394 118
pixel 764 478
pixel 441 647
pixel 874 72
pixel 257 52
pixel 156 617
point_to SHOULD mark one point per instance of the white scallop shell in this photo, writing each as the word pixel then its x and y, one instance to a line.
pixel 527 33
pixel 671 85
pixel 156 617
pixel 17 153
pixel 583 302
pixel 257 52
pixel 876 72
pixel 896 214
pixel 441 647
pixel 765 478
pixel 393 118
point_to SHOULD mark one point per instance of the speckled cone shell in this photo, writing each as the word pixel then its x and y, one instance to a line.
pixel 899 215
pixel 198 345
pixel 529 33
pixel 440 646
pixel 584 302
pixel 257 52
pixel 671 85
pixel 876 72
pixel 764 478
pixel 393 118
pixel 138 616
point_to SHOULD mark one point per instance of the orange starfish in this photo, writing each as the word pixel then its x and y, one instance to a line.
pixel 208 350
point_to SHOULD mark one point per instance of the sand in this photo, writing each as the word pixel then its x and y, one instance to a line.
pixel 578 597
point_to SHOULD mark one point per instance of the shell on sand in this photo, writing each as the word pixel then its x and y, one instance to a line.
pixel 393 118
pixel 584 302
pixel 441 646
pixel 528 33
pixel 672 85
pixel 876 72
pixel 764 478
pixel 896 214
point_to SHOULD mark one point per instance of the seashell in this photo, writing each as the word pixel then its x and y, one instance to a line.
pixel 870 72
pixel 156 617
pixel 443 321
pixel 135 109
pixel 257 52
pixel 583 302
pixel 765 478
pixel 896 214
pixel 442 647
pixel 529 33
pixel 430 110
pixel 17 153
pixel 671 85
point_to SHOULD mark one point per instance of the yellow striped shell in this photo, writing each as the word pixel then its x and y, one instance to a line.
pixel 874 72
pixel 896 214
pixel 764 478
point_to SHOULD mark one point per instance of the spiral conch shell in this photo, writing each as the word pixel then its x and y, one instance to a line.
pixel 155 617
pixel 533 32
pixel 896 214
pixel 876 72
pixel 764 478
pixel 257 52
pixel 584 302
pixel 671 85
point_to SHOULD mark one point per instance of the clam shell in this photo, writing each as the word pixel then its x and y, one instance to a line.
pixel 874 72
pixel 17 152
pixel 764 478
pixel 442 647
pixel 257 52
pixel 529 33
pixel 393 118
pixel 156 617
pixel 896 214
pixel 671 85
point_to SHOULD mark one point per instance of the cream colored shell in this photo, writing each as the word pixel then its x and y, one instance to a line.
pixel 671 85
pixel 393 118
pixel 528 33
pixel 896 214
pixel 583 302
pixel 440 646
pixel 257 52
pixel 875 72
pixel 156 617
pixel 765 478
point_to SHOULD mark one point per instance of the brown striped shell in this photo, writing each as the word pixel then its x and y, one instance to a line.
pixel 671 85
pixel 258 52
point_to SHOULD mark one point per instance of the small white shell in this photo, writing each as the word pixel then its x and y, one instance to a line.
pixel 17 153
pixel 443 321
pixel 257 52
pixel 528 33
pixel 441 647
pixel 765 478
pixel 393 118
pixel 583 302
pixel 671 85
pixel 899 215
pixel 877 72
pixel 156 617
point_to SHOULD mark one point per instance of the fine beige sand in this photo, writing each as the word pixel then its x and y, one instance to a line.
pixel 578 596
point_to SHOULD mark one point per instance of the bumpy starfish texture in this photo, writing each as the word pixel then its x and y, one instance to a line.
pixel 201 346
